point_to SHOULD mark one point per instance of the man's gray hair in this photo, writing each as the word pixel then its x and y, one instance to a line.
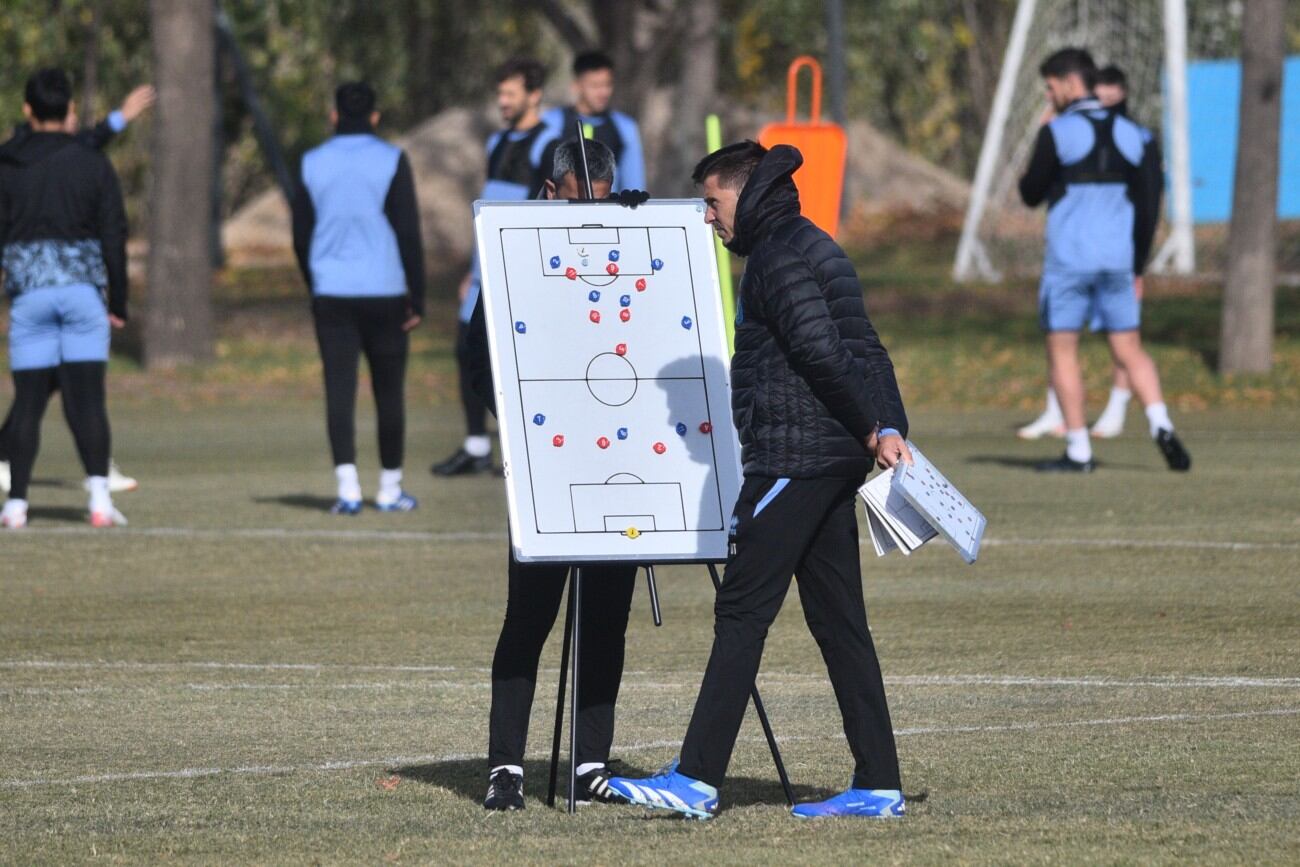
pixel 600 161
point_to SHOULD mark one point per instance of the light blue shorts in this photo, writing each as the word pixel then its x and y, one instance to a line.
pixel 1068 301
pixel 57 324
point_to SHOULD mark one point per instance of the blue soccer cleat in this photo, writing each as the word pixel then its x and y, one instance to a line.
pixel 404 503
pixel 865 803
pixel 345 507
pixel 669 790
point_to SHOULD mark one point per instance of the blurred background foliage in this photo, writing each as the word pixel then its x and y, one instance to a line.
pixel 923 71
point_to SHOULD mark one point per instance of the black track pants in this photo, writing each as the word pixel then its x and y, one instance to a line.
pixel 475 411
pixel 531 608
pixel 804 527
pixel 346 328
pixel 84 406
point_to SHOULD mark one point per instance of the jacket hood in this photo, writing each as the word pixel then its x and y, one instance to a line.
pixel 28 147
pixel 769 197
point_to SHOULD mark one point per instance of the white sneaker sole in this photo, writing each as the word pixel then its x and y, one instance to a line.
pixel 1037 431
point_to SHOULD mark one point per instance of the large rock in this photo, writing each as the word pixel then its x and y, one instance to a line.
pixel 447 157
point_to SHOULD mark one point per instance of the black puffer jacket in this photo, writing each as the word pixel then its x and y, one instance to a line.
pixel 810 379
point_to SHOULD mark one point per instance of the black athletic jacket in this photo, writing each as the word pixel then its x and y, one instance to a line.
pixel 810 379
pixel 62 219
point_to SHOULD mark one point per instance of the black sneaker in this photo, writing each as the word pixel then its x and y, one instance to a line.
pixel 462 463
pixel 1064 464
pixel 594 786
pixel 1172 448
pixel 505 791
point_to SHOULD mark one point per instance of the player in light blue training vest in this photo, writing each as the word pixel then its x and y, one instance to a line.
pixel 514 157
pixel 356 233
pixel 1088 166
pixel 593 93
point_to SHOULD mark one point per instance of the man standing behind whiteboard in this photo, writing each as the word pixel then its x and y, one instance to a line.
pixel 514 173
pixel 535 591
pixel 814 399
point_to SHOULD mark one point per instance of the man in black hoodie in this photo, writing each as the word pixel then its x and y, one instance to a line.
pixel 63 242
pixel 814 399
pixel 137 102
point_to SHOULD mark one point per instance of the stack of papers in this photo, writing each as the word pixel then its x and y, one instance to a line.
pixel 908 506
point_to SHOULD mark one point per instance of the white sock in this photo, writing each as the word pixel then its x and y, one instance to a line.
pixel 478 446
pixel 390 486
pixel 1116 406
pixel 514 769
pixel 1077 445
pixel 349 484
pixel 1053 410
pixel 1158 419
pixel 100 499
pixel 15 507
pixel 588 767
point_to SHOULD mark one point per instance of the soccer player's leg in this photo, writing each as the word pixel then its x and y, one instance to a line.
pixel 475 454
pixel 31 395
pixel 1050 422
pixel 339 338
pixel 773 523
pixel 33 363
pixel 606 603
pixel 532 603
pixel 830 589
pixel 1119 306
pixel 387 347
pixel 1063 309
pixel 84 343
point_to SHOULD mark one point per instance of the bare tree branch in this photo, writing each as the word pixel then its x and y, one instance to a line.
pixel 570 29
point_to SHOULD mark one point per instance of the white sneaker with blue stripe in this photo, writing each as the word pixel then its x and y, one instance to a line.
pixel 345 507
pixel 404 503
pixel 669 790
pixel 865 803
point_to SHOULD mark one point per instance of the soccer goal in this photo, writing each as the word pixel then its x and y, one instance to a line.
pixel 1148 39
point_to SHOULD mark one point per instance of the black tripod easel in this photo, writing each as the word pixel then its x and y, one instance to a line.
pixel 569 668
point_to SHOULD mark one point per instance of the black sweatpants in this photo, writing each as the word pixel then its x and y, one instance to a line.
pixel 475 410
pixel 346 328
pixel 85 407
pixel 783 527
pixel 9 422
pixel 531 608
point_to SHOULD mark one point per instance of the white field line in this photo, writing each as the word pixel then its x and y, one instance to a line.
pixel 1207 683
pixel 1110 682
pixel 397 761
pixel 494 535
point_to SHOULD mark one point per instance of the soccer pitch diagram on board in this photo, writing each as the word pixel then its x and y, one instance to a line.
pixel 610 365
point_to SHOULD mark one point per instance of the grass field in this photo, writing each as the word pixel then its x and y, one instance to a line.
pixel 238 676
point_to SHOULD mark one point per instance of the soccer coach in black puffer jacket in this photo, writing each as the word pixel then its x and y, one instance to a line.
pixel 814 399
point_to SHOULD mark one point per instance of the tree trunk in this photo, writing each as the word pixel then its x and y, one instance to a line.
pixel 697 84
pixel 178 325
pixel 90 63
pixel 1246 341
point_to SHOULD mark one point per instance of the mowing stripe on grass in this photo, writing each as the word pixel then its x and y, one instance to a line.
pixel 1186 681
pixel 342 535
pixel 352 764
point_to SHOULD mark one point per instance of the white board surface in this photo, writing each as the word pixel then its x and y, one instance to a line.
pixel 610 364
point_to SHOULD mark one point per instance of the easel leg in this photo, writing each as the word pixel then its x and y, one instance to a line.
pixel 574 656
pixel 559 698
pixel 762 716
pixel 654 595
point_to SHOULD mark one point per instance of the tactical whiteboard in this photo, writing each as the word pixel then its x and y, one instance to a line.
pixel 610 365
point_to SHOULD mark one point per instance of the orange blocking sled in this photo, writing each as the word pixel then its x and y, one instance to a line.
pixel 821 178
